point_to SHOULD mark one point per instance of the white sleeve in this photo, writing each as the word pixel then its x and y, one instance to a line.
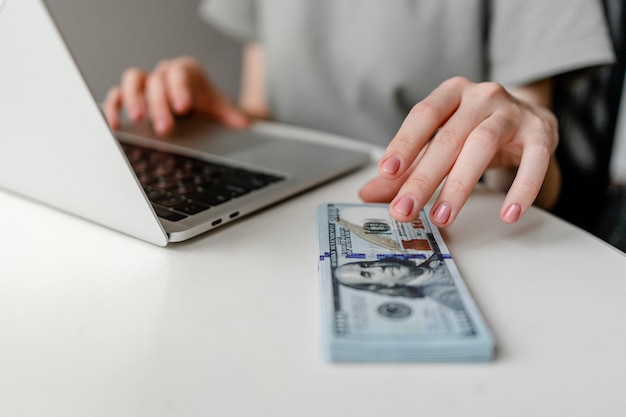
pixel 235 17
pixel 534 39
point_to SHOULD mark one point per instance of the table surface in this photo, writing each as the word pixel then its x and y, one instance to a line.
pixel 96 323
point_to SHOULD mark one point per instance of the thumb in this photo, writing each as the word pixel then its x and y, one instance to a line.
pixel 212 103
pixel 227 113
pixel 380 190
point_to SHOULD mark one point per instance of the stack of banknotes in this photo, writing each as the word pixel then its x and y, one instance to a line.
pixel 390 291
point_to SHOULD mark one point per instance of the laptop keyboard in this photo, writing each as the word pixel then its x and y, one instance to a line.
pixel 179 186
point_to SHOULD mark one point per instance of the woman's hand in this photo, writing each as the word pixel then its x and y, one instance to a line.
pixel 174 88
pixel 478 126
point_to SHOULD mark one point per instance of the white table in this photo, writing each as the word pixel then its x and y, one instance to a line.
pixel 95 323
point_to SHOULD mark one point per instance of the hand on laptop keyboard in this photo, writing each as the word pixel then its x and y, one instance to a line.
pixel 174 88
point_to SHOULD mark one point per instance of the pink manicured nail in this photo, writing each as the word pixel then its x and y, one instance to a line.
pixel 404 205
pixel 114 120
pixel 181 104
pixel 136 113
pixel 390 165
pixel 441 213
pixel 161 126
pixel 512 213
pixel 238 121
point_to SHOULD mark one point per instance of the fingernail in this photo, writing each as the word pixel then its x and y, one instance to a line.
pixel 239 121
pixel 404 205
pixel 390 165
pixel 441 213
pixel 512 214
pixel 182 103
pixel 161 126
pixel 113 120
pixel 136 114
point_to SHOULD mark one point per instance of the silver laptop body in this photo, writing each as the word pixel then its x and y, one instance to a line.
pixel 58 149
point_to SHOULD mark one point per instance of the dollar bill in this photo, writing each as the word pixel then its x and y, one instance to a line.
pixel 390 291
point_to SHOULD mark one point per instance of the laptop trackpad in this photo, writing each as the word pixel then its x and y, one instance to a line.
pixel 246 146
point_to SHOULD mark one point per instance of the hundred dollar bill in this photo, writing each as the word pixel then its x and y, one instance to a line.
pixel 390 291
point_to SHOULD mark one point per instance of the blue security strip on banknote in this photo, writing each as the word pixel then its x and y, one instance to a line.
pixel 390 291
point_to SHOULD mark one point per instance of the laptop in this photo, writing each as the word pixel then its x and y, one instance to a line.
pixel 58 149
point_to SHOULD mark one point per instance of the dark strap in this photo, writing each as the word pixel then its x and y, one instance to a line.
pixel 587 106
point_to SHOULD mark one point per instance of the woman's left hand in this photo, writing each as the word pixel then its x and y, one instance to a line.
pixel 478 126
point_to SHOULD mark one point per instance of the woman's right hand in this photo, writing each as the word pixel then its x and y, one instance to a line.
pixel 174 88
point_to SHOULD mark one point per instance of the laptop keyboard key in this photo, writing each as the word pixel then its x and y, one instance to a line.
pixel 191 207
pixel 210 197
pixel 168 214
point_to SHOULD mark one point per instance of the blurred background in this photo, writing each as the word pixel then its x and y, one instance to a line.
pixel 108 36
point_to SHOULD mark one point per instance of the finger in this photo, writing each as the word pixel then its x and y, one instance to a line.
pixel 435 164
pixel 219 107
pixel 228 114
pixel 188 88
pixel 111 106
pixel 158 104
pixel 418 127
pixel 527 183
pixel 383 190
pixel 380 190
pixel 132 91
pixel 178 89
pixel 479 149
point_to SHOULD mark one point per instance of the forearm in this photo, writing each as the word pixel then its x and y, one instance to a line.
pixel 252 97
